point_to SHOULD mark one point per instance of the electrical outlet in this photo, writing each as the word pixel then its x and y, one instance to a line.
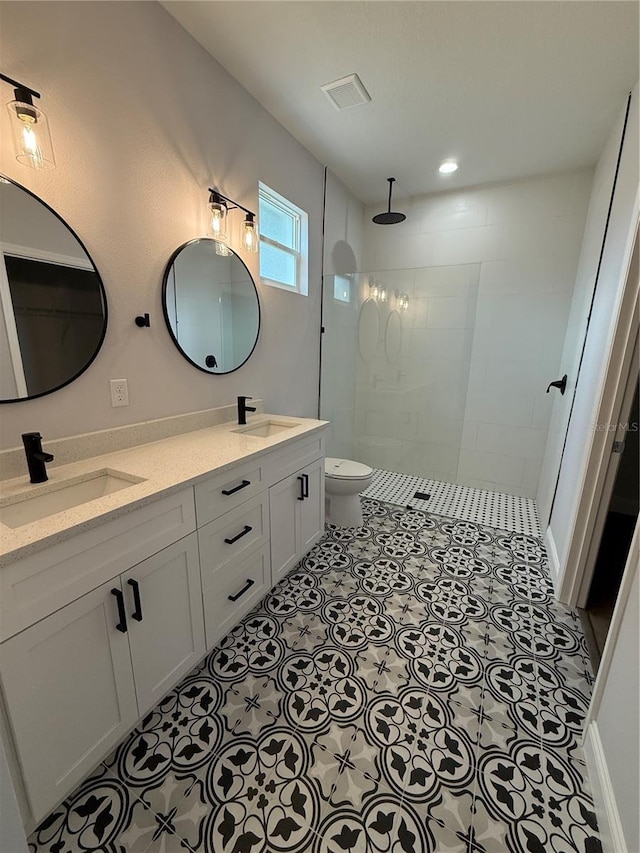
pixel 119 392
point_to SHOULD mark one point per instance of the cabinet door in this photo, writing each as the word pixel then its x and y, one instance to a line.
pixel 311 509
pixel 166 633
pixel 68 686
pixel 283 500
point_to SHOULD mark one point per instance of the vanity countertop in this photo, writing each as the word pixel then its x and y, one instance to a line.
pixel 164 466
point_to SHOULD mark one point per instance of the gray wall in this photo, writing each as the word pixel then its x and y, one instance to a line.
pixel 143 120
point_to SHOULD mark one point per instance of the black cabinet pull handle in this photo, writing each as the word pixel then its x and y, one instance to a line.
pixel 242 533
pixel 301 495
pixel 122 616
pixel 137 613
pixel 305 478
pixel 243 485
pixel 244 589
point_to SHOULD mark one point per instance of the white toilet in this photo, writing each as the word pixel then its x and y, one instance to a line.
pixel 344 480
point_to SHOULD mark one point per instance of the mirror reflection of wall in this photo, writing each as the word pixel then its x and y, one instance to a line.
pixel 211 307
pixel 52 304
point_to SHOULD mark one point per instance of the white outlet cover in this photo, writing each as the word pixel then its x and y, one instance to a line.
pixel 119 392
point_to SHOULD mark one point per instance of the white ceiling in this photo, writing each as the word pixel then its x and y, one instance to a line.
pixel 510 89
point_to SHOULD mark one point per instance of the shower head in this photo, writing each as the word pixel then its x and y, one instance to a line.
pixel 389 217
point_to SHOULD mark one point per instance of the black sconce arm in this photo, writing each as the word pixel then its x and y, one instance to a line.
pixel 230 204
pixel 20 89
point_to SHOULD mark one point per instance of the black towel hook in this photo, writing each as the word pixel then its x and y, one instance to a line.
pixel 559 383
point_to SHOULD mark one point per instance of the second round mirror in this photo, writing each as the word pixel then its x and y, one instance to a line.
pixel 211 306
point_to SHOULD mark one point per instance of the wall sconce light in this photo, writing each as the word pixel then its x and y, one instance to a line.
pixel 218 209
pixel 377 290
pixel 220 205
pixel 250 234
pixel 30 128
pixel 402 300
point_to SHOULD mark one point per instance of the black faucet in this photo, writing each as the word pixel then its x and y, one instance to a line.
pixel 36 457
pixel 243 409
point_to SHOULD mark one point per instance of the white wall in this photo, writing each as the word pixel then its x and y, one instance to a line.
pixel 143 122
pixel 612 746
pixel 342 256
pixel 525 238
pixel 410 412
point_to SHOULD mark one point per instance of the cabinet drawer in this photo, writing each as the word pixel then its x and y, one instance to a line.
pixel 280 463
pixel 223 492
pixel 37 585
pixel 233 535
pixel 233 591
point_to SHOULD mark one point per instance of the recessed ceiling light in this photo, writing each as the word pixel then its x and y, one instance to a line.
pixel 448 167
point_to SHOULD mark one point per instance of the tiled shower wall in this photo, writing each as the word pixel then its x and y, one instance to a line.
pixel 489 272
pixel 410 409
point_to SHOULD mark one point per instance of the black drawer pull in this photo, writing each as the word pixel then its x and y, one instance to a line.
pixel 238 595
pixel 243 485
pixel 305 477
pixel 242 533
pixel 137 613
pixel 301 495
pixel 122 616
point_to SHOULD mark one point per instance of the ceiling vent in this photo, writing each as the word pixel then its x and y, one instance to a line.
pixel 346 92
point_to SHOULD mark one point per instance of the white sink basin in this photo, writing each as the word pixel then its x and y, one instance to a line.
pixel 266 428
pixel 51 498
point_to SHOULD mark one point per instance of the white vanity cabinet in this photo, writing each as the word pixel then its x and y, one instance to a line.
pixel 69 693
pixel 76 682
pixel 234 560
pixel 270 512
pixel 296 506
pixel 96 629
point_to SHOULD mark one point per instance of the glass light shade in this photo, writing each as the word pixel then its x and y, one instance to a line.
pixel 218 219
pixel 250 236
pixel 31 135
pixel 383 293
pixel 223 250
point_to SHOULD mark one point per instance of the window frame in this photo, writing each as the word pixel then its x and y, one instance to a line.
pixel 300 251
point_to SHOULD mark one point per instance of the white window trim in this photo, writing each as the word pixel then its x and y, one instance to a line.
pixel 301 238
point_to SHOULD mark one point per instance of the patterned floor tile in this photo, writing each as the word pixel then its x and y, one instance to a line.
pixel 412 685
pixel 101 815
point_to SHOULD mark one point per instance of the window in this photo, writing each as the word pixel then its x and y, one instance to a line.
pixel 283 242
pixel 342 288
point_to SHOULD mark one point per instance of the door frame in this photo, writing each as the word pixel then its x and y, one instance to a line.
pixel 619 366
pixel 618 433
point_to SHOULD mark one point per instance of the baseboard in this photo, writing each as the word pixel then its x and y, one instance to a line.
pixel 554 562
pixel 611 834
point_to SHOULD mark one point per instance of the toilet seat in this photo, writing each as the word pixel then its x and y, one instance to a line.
pixel 346 469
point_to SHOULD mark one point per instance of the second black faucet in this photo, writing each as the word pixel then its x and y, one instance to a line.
pixel 243 409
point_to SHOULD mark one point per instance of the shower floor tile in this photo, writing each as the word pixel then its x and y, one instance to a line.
pixel 495 509
pixel 417 689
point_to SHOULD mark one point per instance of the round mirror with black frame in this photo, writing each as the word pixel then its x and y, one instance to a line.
pixel 211 306
pixel 53 306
